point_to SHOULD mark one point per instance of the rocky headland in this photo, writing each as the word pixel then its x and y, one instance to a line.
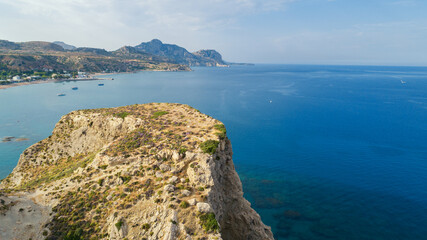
pixel 152 171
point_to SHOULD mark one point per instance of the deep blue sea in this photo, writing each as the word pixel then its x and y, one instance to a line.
pixel 324 152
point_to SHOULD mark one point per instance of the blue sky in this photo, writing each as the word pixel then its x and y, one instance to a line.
pixel 376 32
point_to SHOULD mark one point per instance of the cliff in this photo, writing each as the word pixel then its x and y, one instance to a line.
pixel 152 171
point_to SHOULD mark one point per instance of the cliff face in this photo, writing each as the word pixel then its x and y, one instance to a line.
pixel 212 57
pixel 152 171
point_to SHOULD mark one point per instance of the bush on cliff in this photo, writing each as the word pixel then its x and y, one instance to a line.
pixel 209 222
pixel 209 146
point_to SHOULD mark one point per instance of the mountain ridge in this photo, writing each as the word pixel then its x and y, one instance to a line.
pixel 18 58
pixel 181 55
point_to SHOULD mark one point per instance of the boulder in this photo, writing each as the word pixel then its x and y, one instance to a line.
pixel 192 202
pixel 204 207
pixel 186 193
pixel 169 188
pixel 173 179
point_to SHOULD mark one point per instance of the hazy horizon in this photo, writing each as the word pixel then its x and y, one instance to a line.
pixel 325 32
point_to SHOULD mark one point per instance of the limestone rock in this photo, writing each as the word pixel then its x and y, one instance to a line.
pixel 186 193
pixel 159 175
pixel 169 188
pixel 165 167
pixel 173 179
pixel 203 207
pixel 192 201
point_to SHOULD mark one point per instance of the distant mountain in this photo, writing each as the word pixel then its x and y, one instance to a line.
pixel 180 55
pixel 64 45
pixel 97 51
pixel 129 52
pixel 30 46
pixel 38 56
pixel 40 46
pixel 4 44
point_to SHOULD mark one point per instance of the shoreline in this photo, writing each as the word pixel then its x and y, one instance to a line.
pixel 53 80
pixel 95 75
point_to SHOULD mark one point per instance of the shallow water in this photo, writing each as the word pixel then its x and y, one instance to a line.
pixel 324 152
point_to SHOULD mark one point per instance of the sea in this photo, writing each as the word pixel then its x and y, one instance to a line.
pixel 323 152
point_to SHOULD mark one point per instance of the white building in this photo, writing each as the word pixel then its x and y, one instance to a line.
pixel 81 75
pixel 16 78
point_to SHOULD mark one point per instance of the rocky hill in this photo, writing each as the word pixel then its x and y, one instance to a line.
pixel 152 171
pixel 31 57
pixel 181 55
pixel 65 46
pixel 37 56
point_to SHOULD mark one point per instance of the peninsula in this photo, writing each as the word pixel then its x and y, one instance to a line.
pixel 151 171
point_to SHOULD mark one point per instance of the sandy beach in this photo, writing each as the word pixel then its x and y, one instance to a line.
pixel 24 83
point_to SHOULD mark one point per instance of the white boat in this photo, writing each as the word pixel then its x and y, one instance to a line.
pixel 403 82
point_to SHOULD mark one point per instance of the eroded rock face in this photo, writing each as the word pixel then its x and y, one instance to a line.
pixel 154 171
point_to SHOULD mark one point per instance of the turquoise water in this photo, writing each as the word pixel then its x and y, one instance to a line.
pixel 324 152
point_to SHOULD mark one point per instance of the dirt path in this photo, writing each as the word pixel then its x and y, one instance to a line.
pixel 23 218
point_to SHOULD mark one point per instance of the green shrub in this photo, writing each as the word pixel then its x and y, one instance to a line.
pixel 103 167
pixel 209 222
pixel 159 113
pixel 122 115
pixel 119 225
pixel 145 226
pixel 221 129
pixel 184 204
pixel 74 235
pixel 125 179
pixel 182 151
pixel 209 146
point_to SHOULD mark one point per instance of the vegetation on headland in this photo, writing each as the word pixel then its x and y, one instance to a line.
pixel 93 190
pixel 208 222
pixel 61 169
pixel 209 146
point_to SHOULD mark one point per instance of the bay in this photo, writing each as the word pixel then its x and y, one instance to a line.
pixel 324 152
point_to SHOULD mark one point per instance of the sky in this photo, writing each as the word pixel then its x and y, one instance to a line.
pixel 347 32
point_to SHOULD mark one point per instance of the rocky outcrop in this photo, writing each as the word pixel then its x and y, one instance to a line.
pixel 180 55
pixel 152 171
pixel 212 57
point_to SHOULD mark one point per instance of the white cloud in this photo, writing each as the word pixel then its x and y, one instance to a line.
pixel 113 23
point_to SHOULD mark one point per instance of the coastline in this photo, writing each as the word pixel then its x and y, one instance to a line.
pixel 95 75
pixel 53 80
pixel 24 83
